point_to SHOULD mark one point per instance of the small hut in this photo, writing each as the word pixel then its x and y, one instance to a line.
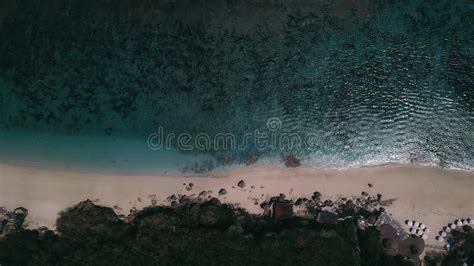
pixel 281 210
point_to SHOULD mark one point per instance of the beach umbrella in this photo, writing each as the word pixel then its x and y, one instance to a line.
pixel 419 232
pixel 465 222
pixel 409 223
pixel 390 240
pixel 447 229
pixel 439 238
pixel 422 226
pixel 424 236
pixel 390 246
pixel 443 234
pixel 412 230
pixel 453 226
pixel 458 222
pixel 471 221
pixel 411 247
pixel 416 224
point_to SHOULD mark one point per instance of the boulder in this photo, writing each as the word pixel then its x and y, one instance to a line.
pixel 292 161
pixel 300 201
pixel 316 196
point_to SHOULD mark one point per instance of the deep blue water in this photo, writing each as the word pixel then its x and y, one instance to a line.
pixel 87 84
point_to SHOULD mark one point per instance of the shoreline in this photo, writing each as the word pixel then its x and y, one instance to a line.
pixel 427 194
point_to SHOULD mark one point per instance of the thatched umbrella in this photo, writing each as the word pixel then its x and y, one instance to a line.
pixel 412 247
pixel 389 238
pixel 390 246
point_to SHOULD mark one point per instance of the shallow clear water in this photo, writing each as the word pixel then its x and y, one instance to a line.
pixel 89 85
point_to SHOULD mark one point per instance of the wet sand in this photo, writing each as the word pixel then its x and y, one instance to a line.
pixel 430 195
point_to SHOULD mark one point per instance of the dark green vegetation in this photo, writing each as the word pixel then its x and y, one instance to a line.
pixel 191 234
pixel 462 252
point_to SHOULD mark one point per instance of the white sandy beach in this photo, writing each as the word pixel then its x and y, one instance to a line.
pixel 426 194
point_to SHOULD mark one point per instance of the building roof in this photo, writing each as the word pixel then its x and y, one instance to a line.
pixel 387 219
pixel 281 210
pixel 327 217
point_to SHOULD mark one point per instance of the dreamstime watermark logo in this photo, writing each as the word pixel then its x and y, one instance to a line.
pixel 270 139
pixel 274 124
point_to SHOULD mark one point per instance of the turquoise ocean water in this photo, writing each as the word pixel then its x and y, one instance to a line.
pixel 89 85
